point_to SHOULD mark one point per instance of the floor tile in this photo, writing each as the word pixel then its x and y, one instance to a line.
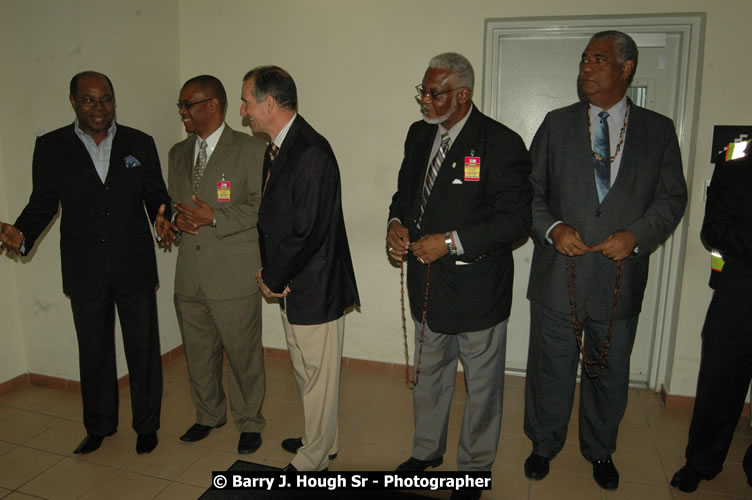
pixel 179 491
pixel 22 464
pixel 168 461
pixel 67 479
pixel 62 438
pixel 24 425
pixel 199 472
pixel 124 485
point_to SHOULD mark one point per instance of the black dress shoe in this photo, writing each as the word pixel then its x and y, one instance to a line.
pixel 466 494
pixel 413 464
pixel 605 474
pixel 687 479
pixel 293 444
pixel 536 467
pixel 289 468
pixel 197 432
pixel 91 442
pixel 249 442
pixel 145 443
pixel 747 464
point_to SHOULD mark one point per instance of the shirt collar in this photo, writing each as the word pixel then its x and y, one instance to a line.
pixel 615 112
pixel 283 133
pixel 83 135
pixel 212 140
pixel 454 132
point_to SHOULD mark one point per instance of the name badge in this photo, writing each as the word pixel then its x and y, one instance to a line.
pixel 223 190
pixel 472 168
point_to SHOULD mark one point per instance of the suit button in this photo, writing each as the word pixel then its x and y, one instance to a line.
pixel 597 213
pixel 198 247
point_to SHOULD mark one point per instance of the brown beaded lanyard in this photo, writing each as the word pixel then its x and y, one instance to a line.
pixel 572 289
pixel 404 325
pixel 621 136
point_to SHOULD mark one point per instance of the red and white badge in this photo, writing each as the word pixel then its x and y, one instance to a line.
pixel 472 168
pixel 223 191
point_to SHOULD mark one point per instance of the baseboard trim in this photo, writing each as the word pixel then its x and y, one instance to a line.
pixel 68 385
pixel 687 402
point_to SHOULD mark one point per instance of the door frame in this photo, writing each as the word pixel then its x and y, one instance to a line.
pixel 691 29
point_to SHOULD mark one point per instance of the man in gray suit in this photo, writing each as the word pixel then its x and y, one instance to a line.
pixel 214 179
pixel 608 189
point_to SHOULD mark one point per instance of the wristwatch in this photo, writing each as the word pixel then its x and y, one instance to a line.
pixel 448 243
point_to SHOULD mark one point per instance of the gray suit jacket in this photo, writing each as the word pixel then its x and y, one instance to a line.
pixel 222 262
pixel 648 198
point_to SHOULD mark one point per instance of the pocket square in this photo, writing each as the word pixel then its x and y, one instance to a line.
pixel 456 181
pixel 131 161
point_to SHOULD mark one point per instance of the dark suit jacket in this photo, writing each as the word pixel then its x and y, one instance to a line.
pixel 222 262
pixel 473 291
pixel 303 239
pixel 727 227
pixel 105 236
pixel 648 198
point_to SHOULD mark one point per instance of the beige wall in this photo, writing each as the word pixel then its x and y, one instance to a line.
pixel 355 64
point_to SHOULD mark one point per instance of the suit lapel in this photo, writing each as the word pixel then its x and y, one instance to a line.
pixel 117 156
pixel 220 153
pixel 280 162
pixel 583 152
pixel 83 160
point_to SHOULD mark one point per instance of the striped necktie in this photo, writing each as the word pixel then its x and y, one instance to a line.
pixel 198 169
pixel 271 155
pixel 602 148
pixel 433 171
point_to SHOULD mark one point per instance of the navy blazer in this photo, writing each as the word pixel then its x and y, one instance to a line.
pixel 105 235
pixel 648 198
pixel 302 230
pixel 473 291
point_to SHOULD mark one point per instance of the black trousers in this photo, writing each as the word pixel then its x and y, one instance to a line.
pixel 723 381
pixel 94 318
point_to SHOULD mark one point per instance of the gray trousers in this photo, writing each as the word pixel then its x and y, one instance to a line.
pixel 552 363
pixel 483 354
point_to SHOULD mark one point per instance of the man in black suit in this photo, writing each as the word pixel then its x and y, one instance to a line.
pixel 462 202
pixel 304 253
pixel 102 175
pixel 608 190
pixel 726 361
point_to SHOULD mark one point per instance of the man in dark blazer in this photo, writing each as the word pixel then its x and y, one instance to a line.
pixel 102 175
pixel 461 230
pixel 584 226
pixel 726 361
pixel 304 253
pixel 214 179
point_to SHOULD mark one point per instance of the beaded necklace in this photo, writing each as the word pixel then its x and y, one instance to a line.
pixel 621 136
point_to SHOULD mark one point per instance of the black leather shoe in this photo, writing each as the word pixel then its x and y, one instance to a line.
pixel 145 443
pixel 466 494
pixel 90 443
pixel 536 467
pixel 605 474
pixel 687 479
pixel 293 444
pixel 249 442
pixel 413 464
pixel 747 464
pixel 289 468
pixel 197 432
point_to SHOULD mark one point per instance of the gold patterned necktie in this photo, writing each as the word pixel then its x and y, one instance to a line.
pixel 198 169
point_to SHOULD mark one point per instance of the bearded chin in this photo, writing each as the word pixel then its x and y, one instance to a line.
pixel 439 119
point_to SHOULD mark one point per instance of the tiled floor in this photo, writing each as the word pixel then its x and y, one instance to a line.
pixel 39 428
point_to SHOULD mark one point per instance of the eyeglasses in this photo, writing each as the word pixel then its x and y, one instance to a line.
pixel 188 105
pixel 89 101
pixel 422 92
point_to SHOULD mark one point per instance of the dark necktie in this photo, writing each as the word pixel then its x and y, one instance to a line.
pixel 433 171
pixel 602 148
pixel 271 155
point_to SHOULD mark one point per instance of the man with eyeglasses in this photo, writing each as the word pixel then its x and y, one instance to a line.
pixel 462 203
pixel 103 174
pixel 214 179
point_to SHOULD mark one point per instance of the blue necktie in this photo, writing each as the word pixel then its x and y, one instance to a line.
pixel 602 148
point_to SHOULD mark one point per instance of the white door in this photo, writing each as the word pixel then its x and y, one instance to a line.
pixel 532 71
